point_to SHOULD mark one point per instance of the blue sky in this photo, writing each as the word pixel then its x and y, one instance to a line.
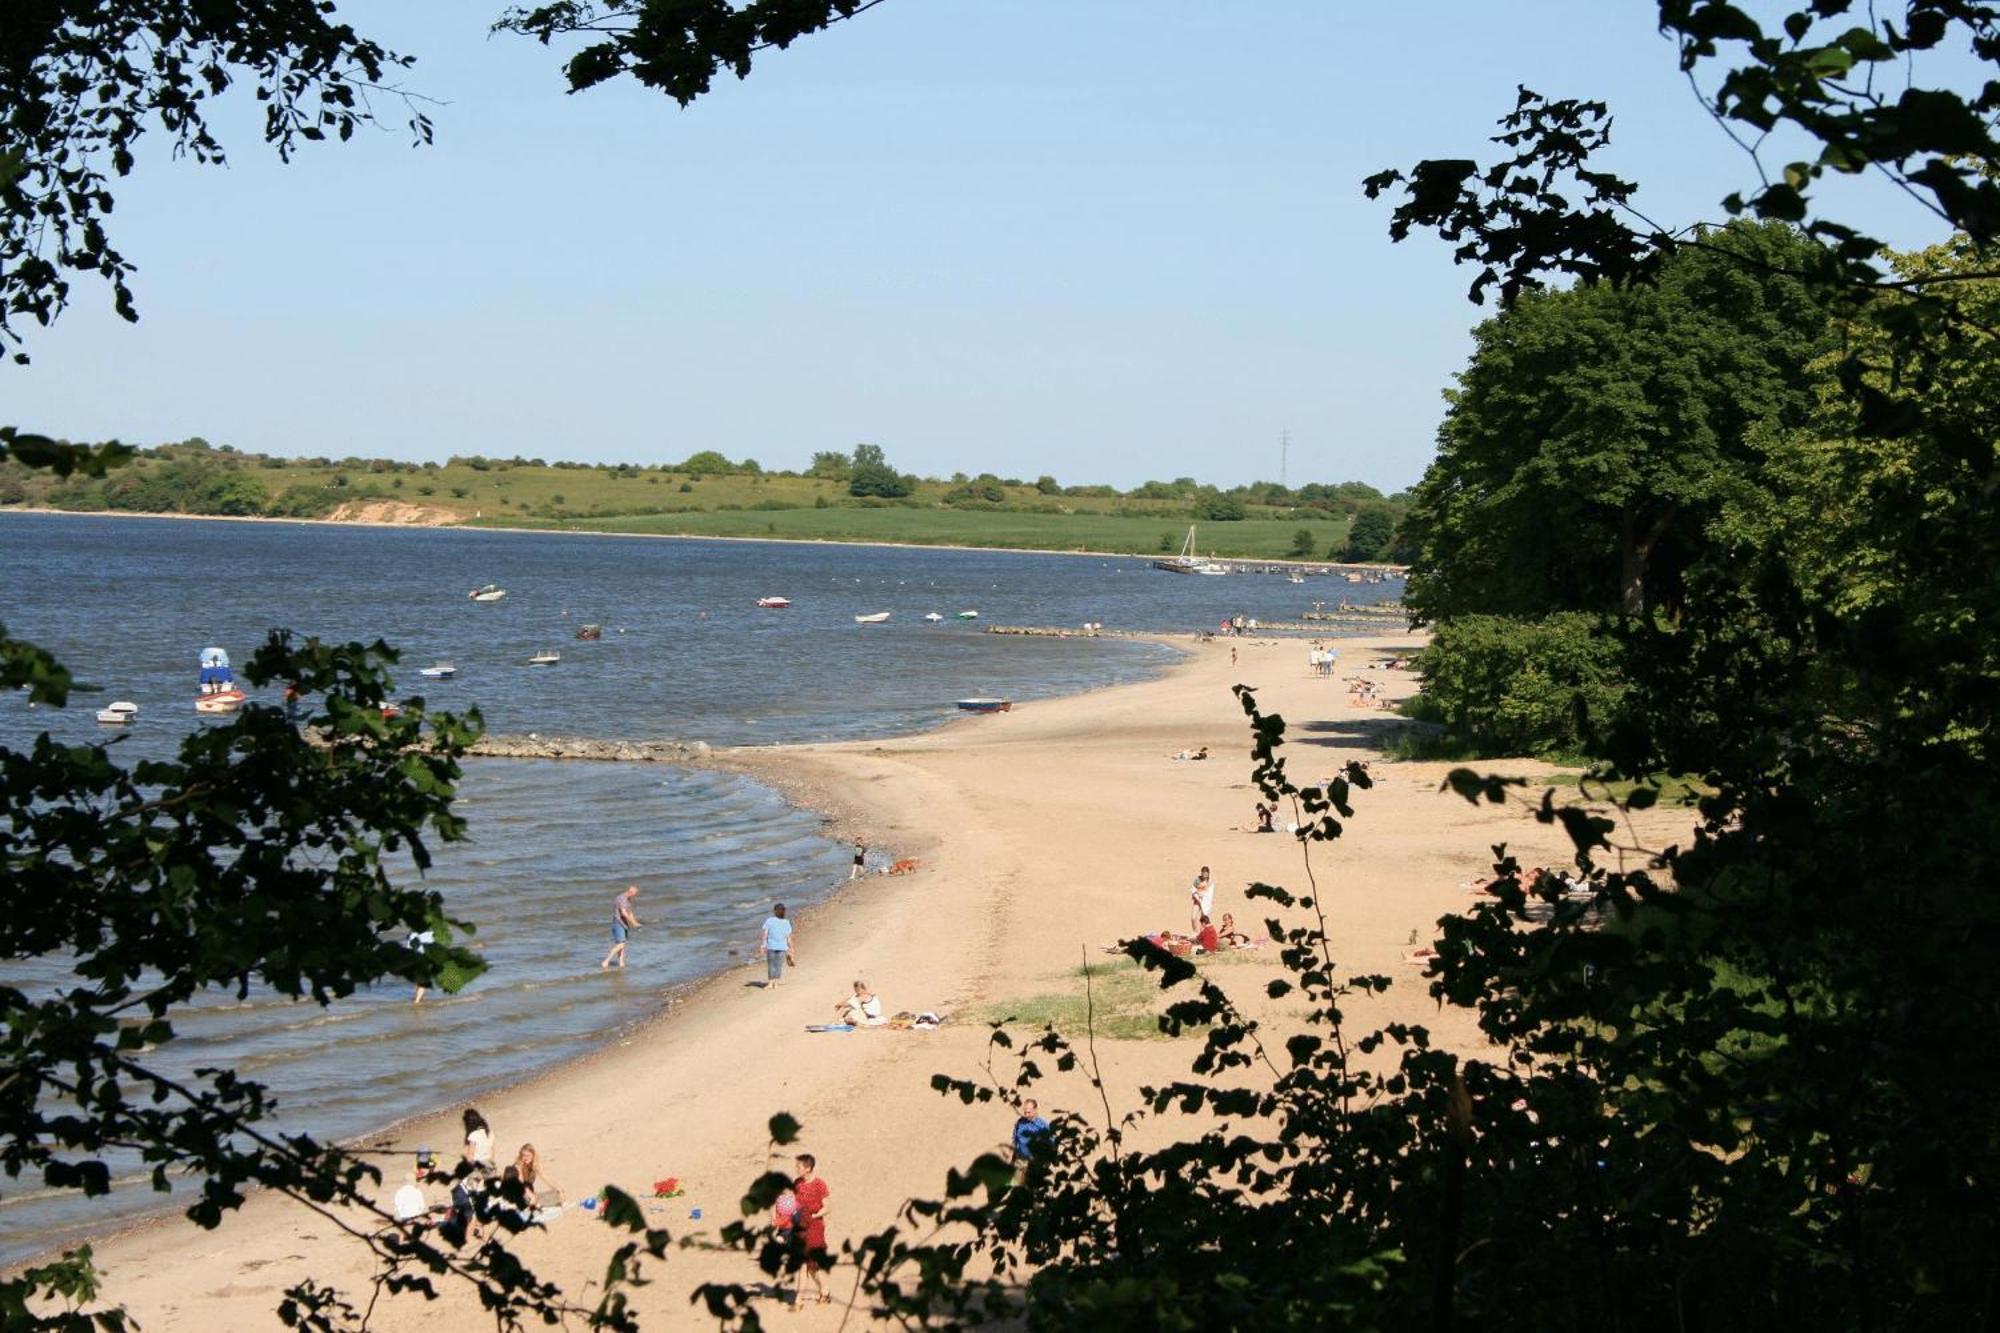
pixel 1104 239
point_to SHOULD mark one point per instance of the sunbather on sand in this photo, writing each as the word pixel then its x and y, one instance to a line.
pixel 863 1008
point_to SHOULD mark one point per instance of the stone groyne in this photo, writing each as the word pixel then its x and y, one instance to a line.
pixel 536 746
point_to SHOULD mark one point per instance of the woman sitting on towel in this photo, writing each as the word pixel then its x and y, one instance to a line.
pixel 863 1009
pixel 1232 938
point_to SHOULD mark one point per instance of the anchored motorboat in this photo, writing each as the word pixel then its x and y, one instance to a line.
pixel 492 592
pixel 878 618
pixel 219 692
pixel 934 617
pixel 547 657
pixel 774 603
pixel 968 615
pixel 439 671
pixel 120 714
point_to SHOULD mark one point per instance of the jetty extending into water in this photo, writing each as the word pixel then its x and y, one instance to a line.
pixel 536 746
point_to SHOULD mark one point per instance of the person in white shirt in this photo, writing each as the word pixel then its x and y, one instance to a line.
pixel 863 1009
pixel 478 1139
pixel 410 1205
pixel 1201 901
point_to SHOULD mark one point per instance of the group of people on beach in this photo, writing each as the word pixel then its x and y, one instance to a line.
pixel 479 1195
pixel 774 942
pixel 1204 934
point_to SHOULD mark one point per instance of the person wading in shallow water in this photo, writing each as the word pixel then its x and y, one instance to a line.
pixel 860 861
pixel 623 919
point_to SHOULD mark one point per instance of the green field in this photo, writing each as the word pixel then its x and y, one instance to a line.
pixel 193 478
pixel 1256 537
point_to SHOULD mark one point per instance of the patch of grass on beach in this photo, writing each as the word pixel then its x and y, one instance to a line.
pixel 1674 788
pixel 1125 997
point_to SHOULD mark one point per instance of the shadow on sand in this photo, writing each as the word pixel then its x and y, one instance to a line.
pixel 1355 733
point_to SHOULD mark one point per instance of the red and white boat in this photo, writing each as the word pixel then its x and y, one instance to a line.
pixel 774 603
pixel 219 691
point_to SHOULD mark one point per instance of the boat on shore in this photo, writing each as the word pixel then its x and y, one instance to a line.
pixel 492 592
pixel 439 671
pixel 878 618
pixel 774 603
pixel 981 704
pixel 547 657
pixel 121 714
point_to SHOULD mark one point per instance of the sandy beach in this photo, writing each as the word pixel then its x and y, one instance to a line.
pixel 1043 834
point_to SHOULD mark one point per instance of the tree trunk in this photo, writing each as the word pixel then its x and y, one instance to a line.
pixel 1636 550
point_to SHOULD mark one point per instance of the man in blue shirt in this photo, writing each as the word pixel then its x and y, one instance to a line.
pixel 1028 1133
pixel 776 946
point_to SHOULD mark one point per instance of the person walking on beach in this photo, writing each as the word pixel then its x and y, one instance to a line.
pixel 860 860
pixel 809 1229
pixel 622 921
pixel 1201 901
pixel 1029 1127
pixel 776 946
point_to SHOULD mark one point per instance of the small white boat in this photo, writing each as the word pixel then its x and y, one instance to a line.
pixel 547 657
pixel 968 615
pixel 1211 568
pixel 120 714
pixel 439 671
pixel 878 618
pixel 934 617
pixel 492 592
pixel 774 603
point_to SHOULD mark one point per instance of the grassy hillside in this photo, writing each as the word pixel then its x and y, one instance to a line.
pixel 1257 537
pixel 710 496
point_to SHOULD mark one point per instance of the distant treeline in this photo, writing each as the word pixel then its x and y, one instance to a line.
pixel 196 477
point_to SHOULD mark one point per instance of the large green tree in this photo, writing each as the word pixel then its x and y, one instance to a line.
pixel 1597 429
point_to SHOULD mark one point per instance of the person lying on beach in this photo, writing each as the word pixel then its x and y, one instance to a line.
pixel 863 1008
pixel 1201 753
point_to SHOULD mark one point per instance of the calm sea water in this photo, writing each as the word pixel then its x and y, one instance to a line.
pixel 128 604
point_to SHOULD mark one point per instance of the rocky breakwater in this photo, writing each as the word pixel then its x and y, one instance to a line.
pixel 536 746
pixel 1063 632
